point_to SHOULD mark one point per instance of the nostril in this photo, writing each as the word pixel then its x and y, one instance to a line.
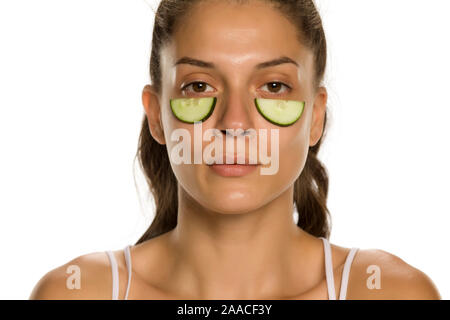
pixel 232 133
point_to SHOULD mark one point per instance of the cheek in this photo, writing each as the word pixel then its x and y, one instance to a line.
pixel 293 153
pixel 294 146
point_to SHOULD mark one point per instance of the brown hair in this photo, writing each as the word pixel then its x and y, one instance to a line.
pixel 310 188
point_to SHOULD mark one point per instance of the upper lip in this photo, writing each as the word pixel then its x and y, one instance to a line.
pixel 234 159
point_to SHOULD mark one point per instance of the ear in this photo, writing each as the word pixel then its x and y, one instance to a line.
pixel 319 109
pixel 150 101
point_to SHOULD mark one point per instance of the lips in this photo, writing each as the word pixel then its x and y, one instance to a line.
pixel 234 169
pixel 233 160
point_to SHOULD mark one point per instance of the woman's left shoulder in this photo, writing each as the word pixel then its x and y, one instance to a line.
pixel 377 274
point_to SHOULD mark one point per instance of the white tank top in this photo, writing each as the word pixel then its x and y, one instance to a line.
pixel 328 271
pixel 115 272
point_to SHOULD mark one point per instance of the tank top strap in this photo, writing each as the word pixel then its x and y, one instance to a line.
pixel 346 272
pixel 129 268
pixel 329 269
pixel 115 275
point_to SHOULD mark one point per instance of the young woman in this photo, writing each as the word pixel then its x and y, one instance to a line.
pixel 227 231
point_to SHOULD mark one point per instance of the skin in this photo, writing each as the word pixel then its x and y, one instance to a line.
pixel 234 239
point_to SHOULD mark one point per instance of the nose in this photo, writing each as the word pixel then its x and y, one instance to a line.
pixel 235 114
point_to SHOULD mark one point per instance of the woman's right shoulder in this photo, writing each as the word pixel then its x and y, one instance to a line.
pixel 86 277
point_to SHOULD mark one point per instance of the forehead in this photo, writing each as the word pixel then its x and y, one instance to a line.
pixel 236 34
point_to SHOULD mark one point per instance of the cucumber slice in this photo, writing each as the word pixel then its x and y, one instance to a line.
pixel 190 110
pixel 280 112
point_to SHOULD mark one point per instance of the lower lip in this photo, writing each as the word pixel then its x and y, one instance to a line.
pixel 233 170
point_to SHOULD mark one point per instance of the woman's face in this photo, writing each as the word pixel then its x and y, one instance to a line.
pixel 235 39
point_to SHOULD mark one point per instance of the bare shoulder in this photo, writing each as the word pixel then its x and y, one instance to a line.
pixel 379 275
pixel 85 277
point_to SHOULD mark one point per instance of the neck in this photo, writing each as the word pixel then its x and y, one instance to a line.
pixel 237 255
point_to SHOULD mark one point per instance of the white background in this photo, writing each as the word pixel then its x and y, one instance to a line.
pixel 71 75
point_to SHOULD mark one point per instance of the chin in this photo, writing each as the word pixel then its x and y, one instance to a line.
pixel 233 201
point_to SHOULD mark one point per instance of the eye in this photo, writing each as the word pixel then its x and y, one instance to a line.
pixel 198 87
pixel 274 87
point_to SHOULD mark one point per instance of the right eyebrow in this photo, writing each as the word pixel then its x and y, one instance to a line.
pixel 195 62
pixel 210 65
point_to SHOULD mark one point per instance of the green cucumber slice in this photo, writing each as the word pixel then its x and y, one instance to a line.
pixel 280 112
pixel 190 110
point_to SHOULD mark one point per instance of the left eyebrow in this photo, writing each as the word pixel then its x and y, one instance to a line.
pixel 210 65
pixel 275 62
